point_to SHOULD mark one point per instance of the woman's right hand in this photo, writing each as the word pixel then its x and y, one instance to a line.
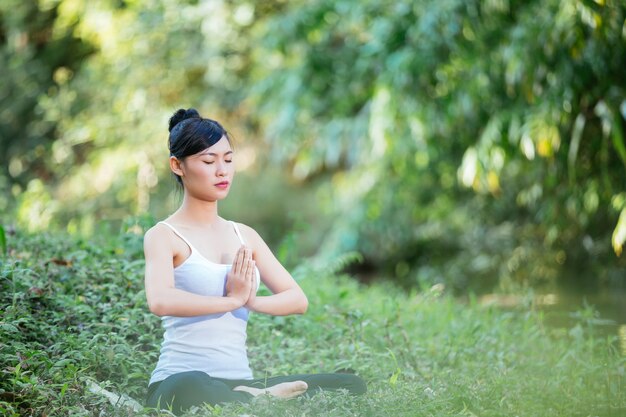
pixel 240 277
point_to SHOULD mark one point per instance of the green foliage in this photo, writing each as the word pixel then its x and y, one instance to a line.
pixel 75 310
pixel 39 51
pixel 3 241
pixel 476 143
pixel 522 102
pixel 106 118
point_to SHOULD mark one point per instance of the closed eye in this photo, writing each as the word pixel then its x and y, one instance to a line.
pixel 211 162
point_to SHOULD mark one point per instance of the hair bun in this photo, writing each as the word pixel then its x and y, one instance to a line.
pixel 182 114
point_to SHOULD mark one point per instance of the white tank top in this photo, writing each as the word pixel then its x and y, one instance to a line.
pixel 212 343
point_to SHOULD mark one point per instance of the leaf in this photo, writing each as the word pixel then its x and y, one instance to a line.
pixel 577 131
pixel 63 362
pixel 394 377
pixel 594 5
pixel 3 241
pixel 8 327
pixel 60 262
pixel 618 140
pixel 612 125
pixel 63 389
pixel 619 234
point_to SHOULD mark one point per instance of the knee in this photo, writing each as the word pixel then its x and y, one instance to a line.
pixel 354 384
pixel 178 392
pixel 359 386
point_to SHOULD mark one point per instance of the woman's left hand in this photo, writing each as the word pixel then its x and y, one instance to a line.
pixel 287 297
pixel 253 288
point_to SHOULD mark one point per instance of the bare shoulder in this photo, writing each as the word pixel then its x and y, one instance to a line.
pixel 157 236
pixel 249 234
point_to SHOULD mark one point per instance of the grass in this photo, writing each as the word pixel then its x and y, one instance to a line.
pixel 75 310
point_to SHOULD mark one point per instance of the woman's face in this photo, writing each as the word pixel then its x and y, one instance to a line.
pixel 208 175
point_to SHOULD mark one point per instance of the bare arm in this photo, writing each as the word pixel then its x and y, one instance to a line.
pixel 164 299
pixel 288 297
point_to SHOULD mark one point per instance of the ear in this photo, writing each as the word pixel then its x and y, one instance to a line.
pixel 176 166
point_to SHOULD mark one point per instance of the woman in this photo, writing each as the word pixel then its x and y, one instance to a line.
pixel 202 274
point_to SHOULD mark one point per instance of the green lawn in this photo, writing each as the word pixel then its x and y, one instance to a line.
pixel 75 311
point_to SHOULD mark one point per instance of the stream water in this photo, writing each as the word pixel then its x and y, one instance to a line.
pixel 605 309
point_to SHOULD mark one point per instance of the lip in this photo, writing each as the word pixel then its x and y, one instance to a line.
pixel 223 184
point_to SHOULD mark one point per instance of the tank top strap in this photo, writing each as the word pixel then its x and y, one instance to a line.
pixel 177 233
pixel 238 232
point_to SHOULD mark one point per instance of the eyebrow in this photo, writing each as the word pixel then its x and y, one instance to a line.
pixel 214 154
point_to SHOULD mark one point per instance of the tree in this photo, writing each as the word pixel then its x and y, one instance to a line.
pixel 408 103
pixel 38 52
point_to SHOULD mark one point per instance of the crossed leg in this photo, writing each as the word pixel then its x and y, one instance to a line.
pixel 282 390
pixel 181 391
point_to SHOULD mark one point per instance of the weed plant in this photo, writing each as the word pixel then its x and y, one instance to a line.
pixel 74 310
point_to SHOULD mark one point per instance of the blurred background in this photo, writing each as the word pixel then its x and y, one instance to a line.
pixel 474 144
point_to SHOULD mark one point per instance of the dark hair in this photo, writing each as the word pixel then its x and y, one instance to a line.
pixel 190 133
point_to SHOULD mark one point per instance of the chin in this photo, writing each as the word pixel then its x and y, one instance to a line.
pixel 214 197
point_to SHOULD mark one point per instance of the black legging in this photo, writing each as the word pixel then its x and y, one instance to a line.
pixel 181 391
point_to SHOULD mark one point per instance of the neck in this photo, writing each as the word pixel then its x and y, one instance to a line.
pixel 198 212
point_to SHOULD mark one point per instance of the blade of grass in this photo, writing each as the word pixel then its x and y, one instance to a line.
pixel 3 241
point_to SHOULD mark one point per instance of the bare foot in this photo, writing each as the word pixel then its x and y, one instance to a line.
pixel 284 390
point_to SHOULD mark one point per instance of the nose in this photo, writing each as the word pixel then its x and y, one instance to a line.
pixel 220 169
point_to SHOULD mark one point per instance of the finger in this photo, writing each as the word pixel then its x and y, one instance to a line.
pixel 246 260
pixel 239 260
pixel 250 275
pixel 241 253
pixel 244 268
pixel 253 275
pixel 250 269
